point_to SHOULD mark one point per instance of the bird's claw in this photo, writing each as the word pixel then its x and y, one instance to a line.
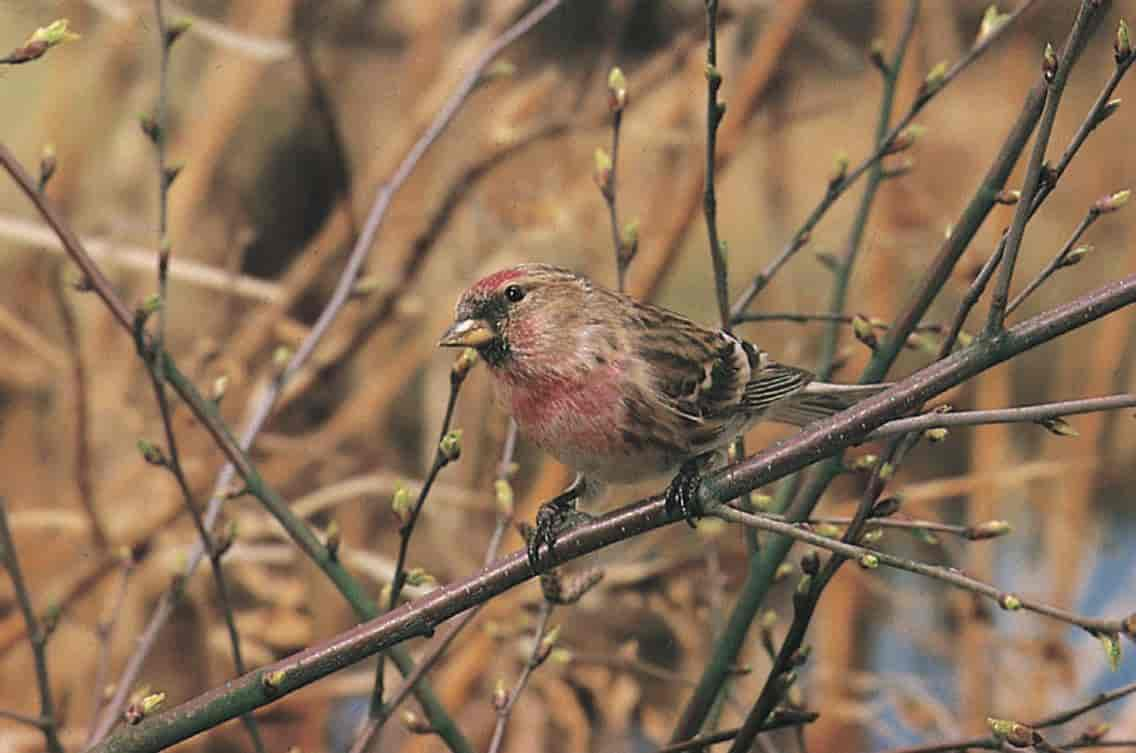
pixel 682 494
pixel 553 519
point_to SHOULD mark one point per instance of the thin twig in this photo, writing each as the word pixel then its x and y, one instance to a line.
pixel 763 564
pixel 104 631
pixel 1056 74
pixel 505 710
pixel 1021 414
pixel 1093 118
pixel 715 110
pixel 158 134
pixel 606 174
pixel 172 462
pixel 84 469
pixel 37 635
pixel 15 716
pixel 871 558
pixel 842 277
pixel 1101 699
pixel 442 458
pixel 1056 263
pixel 975 532
pixel 808 592
pixel 443 642
pixel 780 720
pixel 844 179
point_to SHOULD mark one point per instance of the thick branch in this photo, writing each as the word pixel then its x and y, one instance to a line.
pixel 420 617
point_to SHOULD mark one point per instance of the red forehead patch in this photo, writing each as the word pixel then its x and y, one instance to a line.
pixel 491 283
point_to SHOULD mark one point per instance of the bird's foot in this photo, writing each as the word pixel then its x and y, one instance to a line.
pixel 554 518
pixel 682 494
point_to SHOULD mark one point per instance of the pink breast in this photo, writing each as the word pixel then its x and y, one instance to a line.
pixel 570 416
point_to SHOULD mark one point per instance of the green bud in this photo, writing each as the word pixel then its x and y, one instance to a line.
pixel 989 529
pixel 281 355
pixel 273 680
pixel 863 330
pixel 1049 62
pixel 55 33
pixel 175 28
pixel 414 723
pixel 602 167
pixel 1059 426
pixel 152 703
pixel 151 453
pixel 1122 47
pixel 1111 644
pixel 616 90
pixel 992 21
pixel 869 561
pixel 839 169
pixel 1112 202
pixel 1009 602
pixel 503 494
pixel 872 536
pixel 876 55
pixel 450 446
pixel 417 576
pixel 935 78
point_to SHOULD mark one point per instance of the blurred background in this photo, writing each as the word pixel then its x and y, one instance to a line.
pixel 287 115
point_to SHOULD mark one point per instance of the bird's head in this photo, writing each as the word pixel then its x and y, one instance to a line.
pixel 517 317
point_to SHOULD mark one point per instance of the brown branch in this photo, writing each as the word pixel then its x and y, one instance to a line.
pixel 442 643
pixel 819 440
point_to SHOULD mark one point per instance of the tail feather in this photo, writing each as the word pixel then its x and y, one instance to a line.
pixel 820 400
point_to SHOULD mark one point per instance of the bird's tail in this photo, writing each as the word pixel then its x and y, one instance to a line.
pixel 820 400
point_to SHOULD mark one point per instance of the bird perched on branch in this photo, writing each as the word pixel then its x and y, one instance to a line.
pixel 622 391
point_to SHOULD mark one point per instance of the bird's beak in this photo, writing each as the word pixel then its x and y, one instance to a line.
pixel 468 333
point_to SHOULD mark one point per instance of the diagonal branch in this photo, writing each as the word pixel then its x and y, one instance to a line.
pixel 417 618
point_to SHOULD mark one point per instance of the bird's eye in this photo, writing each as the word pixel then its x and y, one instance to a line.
pixel 514 293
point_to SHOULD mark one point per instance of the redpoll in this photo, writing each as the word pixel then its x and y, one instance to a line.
pixel 623 391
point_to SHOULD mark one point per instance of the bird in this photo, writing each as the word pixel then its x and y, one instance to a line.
pixel 620 390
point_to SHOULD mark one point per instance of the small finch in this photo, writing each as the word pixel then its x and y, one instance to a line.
pixel 622 391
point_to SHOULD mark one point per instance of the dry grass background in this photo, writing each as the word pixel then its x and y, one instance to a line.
pixel 261 218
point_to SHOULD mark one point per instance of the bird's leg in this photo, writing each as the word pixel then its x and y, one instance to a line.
pixel 555 517
pixel 682 494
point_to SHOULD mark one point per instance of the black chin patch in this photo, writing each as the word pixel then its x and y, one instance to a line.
pixel 495 352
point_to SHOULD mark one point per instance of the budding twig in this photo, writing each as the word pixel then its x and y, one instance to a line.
pixel 505 706
pixel 715 111
pixel 844 178
pixel 443 641
pixel 1055 73
pixel 935 572
pixel 1022 414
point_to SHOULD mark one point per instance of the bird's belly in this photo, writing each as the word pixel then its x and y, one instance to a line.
pixel 582 423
